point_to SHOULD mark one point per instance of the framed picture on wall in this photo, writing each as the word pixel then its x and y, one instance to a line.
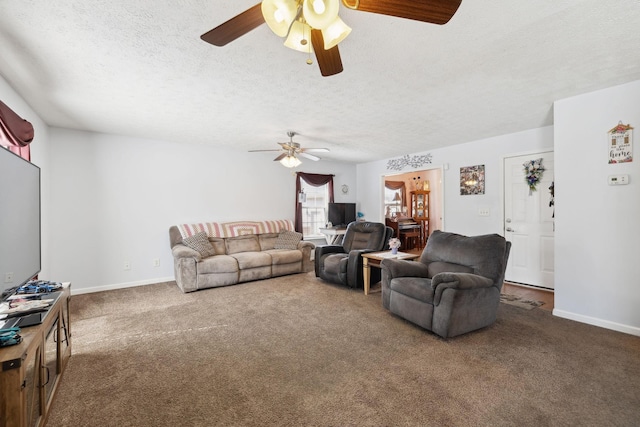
pixel 471 180
pixel 621 144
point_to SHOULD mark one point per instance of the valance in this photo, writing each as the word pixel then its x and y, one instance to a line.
pixel 14 130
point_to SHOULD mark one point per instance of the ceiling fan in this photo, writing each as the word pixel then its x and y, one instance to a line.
pixel 290 151
pixel 299 20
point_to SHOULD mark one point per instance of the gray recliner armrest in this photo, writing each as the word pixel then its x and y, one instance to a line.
pixel 403 268
pixel 354 267
pixel 461 281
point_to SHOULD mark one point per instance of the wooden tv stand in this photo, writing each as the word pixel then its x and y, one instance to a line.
pixel 30 372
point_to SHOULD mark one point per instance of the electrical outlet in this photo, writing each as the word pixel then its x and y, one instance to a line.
pixel 8 277
pixel 156 262
pixel 483 212
pixel 127 265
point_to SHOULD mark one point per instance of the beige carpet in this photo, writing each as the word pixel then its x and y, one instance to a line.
pixel 296 351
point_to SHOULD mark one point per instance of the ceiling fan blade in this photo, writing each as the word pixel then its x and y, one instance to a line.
pixel 314 150
pixel 280 157
pixel 432 11
pixel 287 146
pixel 235 27
pixel 309 156
pixel 328 60
pixel 258 151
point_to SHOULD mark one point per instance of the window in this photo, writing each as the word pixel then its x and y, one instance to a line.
pixel 314 209
pixel 392 202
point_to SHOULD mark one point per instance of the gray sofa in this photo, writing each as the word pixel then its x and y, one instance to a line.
pixel 453 288
pixel 214 254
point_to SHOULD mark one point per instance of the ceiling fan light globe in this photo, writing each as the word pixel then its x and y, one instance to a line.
pixel 278 14
pixel 320 13
pixel 299 37
pixel 290 161
pixel 335 33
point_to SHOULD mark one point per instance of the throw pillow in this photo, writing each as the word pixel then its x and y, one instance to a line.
pixel 200 242
pixel 288 240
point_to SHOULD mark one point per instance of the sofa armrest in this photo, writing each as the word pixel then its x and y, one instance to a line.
pixel 355 275
pixel 182 251
pixel 324 250
pixel 306 248
pixel 305 244
pixel 460 281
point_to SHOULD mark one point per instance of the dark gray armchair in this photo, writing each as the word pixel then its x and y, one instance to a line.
pixel 454 287
pixel 342 264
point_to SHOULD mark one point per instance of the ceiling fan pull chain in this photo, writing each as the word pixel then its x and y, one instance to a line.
pixel 354 7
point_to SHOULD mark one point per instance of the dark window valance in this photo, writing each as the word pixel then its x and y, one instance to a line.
pixel 14 130
pixel 398 185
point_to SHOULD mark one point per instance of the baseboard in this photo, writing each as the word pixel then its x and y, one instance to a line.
pixel 632 330
pixel 75 291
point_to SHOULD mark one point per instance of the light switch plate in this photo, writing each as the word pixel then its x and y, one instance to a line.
pixel 618 179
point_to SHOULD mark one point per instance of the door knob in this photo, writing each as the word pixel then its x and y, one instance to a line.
pixel 508 219
pixel 509 229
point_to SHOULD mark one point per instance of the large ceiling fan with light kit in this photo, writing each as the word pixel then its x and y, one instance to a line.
pixel 300 20
pixel 291 150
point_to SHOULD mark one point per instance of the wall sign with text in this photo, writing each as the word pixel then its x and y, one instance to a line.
pixel 621 144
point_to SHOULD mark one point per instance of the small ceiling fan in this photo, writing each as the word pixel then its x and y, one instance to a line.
pixel 290 151
pixel 299 20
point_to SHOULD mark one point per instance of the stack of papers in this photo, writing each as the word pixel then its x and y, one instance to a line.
pixel 17 305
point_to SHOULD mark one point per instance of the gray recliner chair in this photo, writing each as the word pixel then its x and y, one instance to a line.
pixel 454 287
pixel 342 264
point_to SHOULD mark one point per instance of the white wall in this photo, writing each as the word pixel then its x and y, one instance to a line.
pixel 461 212
pixel 597 225
pixel 114 199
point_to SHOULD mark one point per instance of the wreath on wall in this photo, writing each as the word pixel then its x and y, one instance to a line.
pixel 533 171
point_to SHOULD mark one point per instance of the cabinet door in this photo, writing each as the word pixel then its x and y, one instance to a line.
pixel 50 361
pixel 64 336
pixel 31 389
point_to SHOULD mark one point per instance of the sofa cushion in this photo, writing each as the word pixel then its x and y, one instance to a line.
pixel 248 243
pixel 218 245
pixel 218 264
pixel 285 256
pixel 288 240
pixel 336 263
pixel 267 240
pixel 252 259
pixel 200 243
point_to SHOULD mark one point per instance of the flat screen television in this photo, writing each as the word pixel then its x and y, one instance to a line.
pixel 20 240
pixel 341 214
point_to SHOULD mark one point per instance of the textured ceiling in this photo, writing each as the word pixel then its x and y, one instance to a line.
pixel 139 68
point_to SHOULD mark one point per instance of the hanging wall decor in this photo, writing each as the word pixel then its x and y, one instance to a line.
pixel 413 161
pixel 620 144
pixel 533 171
pixel 471 180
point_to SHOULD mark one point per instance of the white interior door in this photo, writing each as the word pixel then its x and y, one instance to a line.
pixel 528 222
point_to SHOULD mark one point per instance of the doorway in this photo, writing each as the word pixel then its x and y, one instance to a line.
pixel 391 206
pixel 529 220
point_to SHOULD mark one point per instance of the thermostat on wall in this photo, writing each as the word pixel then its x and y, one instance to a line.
pixel 618 179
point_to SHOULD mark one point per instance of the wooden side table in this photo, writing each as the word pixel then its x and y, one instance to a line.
pixel 373 259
